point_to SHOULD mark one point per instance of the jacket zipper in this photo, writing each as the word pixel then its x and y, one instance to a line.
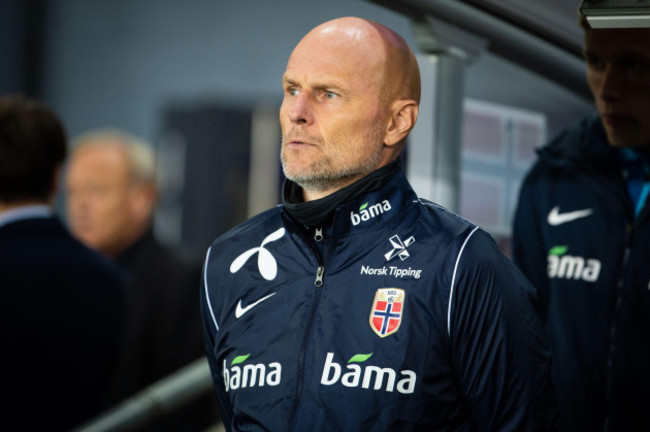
pixel 638 215
pixel 318 234
pixel 318 282
pixel 620 283
pixel 319 276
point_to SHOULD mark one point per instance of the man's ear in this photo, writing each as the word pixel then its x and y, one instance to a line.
pixel 404 113
pixel 143 200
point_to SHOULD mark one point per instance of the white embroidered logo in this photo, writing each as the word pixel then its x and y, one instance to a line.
pixel 399 247
pixel 240 311
pixel 556 218
pixel 266 263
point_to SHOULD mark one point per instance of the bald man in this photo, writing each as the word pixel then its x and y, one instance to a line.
pixel 356 306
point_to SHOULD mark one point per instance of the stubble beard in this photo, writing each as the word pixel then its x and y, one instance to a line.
pixel 323 175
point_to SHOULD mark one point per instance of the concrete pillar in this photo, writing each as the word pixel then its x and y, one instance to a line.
pixel 434 149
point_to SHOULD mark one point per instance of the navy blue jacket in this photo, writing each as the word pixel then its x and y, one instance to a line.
pixel 61 314
pixel 402 317
pixel 576 238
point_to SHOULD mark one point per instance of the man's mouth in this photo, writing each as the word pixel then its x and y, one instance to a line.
pixel 299 142
pixel 615 119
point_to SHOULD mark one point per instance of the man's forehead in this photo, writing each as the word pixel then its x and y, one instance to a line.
pixel 353 38
pixel 319 79
pixel 331 63
pixel 615 40
pixel 99 151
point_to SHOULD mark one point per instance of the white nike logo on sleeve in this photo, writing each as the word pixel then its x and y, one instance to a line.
pixel 240 311
pixel 556 218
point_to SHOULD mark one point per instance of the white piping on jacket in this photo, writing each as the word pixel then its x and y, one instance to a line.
pixel 205 283
pixel 453 280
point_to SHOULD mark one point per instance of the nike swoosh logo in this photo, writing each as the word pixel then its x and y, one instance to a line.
pixel 556 218
pixel 240 311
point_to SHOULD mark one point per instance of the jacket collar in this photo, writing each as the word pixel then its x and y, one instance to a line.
pixel 320 212
pixel 25 212
pixel 584 146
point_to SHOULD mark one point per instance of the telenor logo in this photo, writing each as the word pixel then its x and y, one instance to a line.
pixel 368 212
pixel 266 263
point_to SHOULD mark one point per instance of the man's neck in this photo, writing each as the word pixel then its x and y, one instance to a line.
pixel 312 195
pixel 316 212
pixel 315 194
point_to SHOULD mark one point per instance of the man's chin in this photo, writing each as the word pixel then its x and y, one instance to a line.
pixel 309 181
pixel 627 141
pixel 292 172
pixel 303 180
pixel 299 170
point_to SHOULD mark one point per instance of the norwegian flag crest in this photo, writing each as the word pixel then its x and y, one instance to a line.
pixel 387 311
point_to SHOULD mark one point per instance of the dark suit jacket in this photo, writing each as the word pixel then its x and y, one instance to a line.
pixel 163 330
pixel 61 312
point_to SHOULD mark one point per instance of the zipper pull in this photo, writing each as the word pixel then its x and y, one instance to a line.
pixel 319 276
pixel 318 235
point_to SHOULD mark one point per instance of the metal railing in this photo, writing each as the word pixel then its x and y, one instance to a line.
pixel 166 395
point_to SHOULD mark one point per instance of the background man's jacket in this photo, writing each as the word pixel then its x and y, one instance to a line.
pixel 576 238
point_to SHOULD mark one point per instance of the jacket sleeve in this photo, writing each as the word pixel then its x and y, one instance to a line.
pixel 210 330
pixel 528 249
pixel 498 346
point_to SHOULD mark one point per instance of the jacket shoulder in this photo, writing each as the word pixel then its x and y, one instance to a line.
pixel 583 139
pixel 444 222
pixel 253 226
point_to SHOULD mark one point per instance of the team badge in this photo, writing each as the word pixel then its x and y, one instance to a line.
pixel 387 310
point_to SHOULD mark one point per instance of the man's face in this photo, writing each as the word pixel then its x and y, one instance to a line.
pixel 99 197
pixel 618 73
pixel 332 117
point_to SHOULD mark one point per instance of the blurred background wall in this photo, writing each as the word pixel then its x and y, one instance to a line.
pixel 168 70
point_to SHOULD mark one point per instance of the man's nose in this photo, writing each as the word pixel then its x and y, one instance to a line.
pixel 300 111
pixel 612 82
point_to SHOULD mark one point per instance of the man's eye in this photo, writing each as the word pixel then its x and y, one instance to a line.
pixel 594 62
pixel 330 95
pixel 635 65
pixel 293 91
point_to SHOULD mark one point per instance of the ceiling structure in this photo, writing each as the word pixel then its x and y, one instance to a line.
pixel 532 59
pixel 544 38
pixel 556 20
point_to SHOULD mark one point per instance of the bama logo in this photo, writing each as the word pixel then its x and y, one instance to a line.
pixel 250 375
pixel 367 377
pixel 368 212
pixel 563 266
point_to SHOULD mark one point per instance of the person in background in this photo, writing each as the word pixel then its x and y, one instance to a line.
pixel 110 200
pixel 356 306
pixel 61 304
pixel 582 236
